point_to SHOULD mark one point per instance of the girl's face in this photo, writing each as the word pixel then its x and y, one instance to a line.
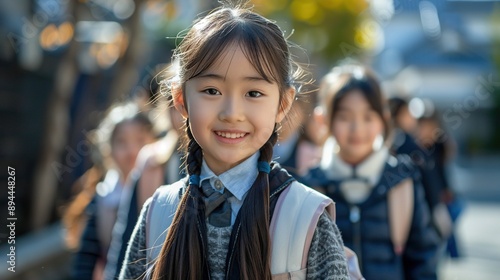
pixel 128 140
pixel 405 120
pixel 232 110
pixel 356 126
pixel 427 132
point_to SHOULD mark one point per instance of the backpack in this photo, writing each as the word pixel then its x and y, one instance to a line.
pixel 292 227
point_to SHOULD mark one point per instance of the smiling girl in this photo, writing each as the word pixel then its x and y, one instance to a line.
pixel 237 215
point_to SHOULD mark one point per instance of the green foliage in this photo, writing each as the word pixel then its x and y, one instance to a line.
pixel 327 29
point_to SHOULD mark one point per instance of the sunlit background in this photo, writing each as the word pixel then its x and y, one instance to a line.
pixel 63 62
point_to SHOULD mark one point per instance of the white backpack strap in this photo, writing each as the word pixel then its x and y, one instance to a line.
pixel 159 217
pixel 400 202
pixel 353 265
pixel 292 227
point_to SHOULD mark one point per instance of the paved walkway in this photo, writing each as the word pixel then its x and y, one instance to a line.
pixel 478 231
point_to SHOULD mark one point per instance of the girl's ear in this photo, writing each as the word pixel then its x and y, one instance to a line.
pixel 178 99
pixel 286 104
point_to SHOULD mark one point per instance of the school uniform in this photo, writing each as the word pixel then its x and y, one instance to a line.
pixel 326 258
pixel 371 222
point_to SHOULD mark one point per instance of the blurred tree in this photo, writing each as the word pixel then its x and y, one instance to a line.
pixel 131 60
pixel 330 30
pixel 63 133
pixel 44 191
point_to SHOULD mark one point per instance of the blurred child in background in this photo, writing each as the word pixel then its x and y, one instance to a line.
pixel 404 119
pixel 119 138
pixel 381 210
pixel 439 145
pixel 299 144
pixel 157 164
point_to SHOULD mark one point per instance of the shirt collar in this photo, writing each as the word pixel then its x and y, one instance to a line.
pixel 238 180
pixel 371 168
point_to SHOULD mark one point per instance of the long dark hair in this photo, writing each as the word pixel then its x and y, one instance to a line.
pixel 182 255
pixel 345 79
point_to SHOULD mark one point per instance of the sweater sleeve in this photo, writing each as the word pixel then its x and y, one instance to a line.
pixel 326 259
pixel 134 266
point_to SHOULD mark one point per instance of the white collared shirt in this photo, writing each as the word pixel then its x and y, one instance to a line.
pixel 238 180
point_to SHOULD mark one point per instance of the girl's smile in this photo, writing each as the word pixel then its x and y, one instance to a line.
pixel 230 136
pixel 355 141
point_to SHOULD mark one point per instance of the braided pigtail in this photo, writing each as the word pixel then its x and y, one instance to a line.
pixel 182 255
pixel 255 244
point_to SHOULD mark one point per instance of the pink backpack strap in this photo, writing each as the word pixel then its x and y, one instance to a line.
pixel 292 228
pixel 401 203
pixel 353 265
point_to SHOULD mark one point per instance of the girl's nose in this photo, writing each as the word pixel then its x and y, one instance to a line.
pixel 355 126
pixel 233 110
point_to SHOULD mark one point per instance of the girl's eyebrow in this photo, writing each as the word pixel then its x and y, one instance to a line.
pixel 343 108
pixel 222 78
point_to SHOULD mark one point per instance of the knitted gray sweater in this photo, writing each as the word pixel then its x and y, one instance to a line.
pixel 326 259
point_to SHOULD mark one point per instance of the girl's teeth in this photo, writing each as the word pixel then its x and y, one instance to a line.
pixel 230 135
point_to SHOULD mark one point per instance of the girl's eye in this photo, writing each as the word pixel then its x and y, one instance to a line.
pixel 254 94
pixel 212 91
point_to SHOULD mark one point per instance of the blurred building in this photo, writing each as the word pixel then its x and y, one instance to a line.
pixel 442 50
